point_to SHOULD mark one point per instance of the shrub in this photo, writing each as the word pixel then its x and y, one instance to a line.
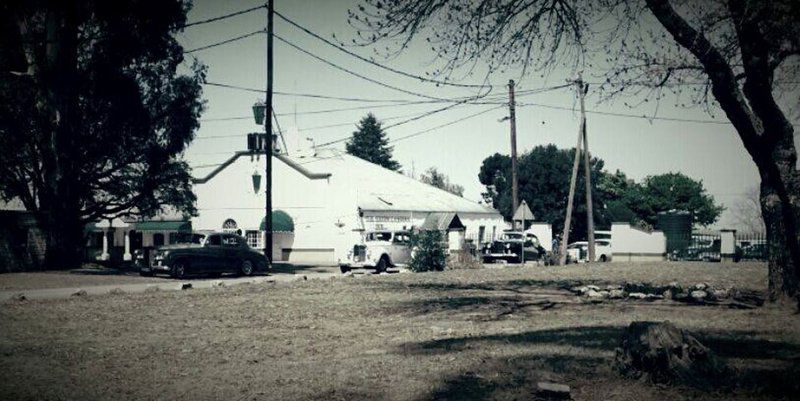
pixel 428 251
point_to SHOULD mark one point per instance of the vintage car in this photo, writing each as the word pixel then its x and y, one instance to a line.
pixel 513 247
pixel 216 253
pixel 579 251
pixel 381 249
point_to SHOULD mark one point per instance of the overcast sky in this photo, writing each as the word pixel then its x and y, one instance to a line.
pixel 712 153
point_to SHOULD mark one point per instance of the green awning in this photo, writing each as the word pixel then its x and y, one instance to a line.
pixel 153 225
pixel 281 222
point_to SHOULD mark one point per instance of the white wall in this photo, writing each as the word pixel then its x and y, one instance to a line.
pixel 631 244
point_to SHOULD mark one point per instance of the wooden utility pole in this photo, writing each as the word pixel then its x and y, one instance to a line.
pixel 572 182
pixel 513 120
pixel 587 168
pixel 269 146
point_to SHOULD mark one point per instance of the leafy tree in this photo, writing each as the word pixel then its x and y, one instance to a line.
pixel 429 252
pixel 94 116
pixel 738 55
pixel 660 193
pixel 433 177
pixel 369 143
pixel 544 175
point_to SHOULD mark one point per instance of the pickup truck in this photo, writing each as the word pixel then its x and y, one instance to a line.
pixel 380 250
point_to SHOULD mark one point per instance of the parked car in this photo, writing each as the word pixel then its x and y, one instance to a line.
pixel 579 251
pixel 380 250
pixel 216 253
pixel 756 251
pixel 513 247
pixel 707 250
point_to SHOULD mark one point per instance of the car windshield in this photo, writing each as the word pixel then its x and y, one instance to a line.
pixel 577 245
pixel 379 236
pixel 512 236
pixel 401 238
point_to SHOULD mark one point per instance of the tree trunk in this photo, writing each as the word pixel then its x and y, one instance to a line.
pixel 780 206
pixel 64 237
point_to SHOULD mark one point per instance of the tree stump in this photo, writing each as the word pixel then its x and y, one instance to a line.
pixel 662 353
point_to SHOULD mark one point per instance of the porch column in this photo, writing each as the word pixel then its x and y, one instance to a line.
pixel 105 255
pixel 127 255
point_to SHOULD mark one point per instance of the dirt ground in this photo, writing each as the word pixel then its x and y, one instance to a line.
pixel 92 276
pixel 454 335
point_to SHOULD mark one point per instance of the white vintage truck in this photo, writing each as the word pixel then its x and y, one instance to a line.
pixel 380 250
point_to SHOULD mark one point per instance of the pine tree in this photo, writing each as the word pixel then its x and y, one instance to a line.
pixel 369 143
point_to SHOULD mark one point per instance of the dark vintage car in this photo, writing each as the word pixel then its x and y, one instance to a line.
pixel 756 251
pixel 217 253
pixel 513 247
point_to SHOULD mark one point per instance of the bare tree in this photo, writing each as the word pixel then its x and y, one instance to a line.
pixel 740 56
pixel 433 177
pixel 747 212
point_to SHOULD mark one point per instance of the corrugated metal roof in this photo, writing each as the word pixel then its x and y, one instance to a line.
pixel 386 190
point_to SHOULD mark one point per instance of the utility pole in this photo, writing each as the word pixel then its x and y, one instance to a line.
pixel 513 121
pixel 587 168
pixel 269 146
pixel 562 252
pixel 573 180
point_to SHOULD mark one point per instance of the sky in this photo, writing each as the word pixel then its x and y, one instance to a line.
pixel 639 147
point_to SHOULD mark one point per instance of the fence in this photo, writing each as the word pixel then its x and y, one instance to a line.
pixel 715 247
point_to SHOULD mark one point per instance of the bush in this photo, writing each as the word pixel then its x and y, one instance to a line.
pixel 428 251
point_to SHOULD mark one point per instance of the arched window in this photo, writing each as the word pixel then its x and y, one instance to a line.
pixel 229 226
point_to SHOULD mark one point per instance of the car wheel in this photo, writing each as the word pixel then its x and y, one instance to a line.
pixel 603 258
pixel 178 269
pixel 144 273
pixel 344 268
pixel 382 264
pixel 247 268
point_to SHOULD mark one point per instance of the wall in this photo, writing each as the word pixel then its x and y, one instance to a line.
pixel 631 244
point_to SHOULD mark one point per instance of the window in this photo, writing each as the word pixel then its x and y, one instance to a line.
pixel 481 233
pixel 214 240
pixel 158 239
pixel 253 239
pixel 494 232
pixel 230 241
pixel 229 226
pixel 379 236
pixel 401 238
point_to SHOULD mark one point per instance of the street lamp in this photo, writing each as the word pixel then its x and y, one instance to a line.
pixel 259 112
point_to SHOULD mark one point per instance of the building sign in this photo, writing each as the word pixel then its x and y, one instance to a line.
pixel 387 219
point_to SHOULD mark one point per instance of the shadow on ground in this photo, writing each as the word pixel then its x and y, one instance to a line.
pixel 580 355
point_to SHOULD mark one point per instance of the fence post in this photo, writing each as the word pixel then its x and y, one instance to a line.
pixel 727 247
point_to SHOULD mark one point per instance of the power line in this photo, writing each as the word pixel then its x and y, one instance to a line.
pixel 224 42
pixel 355 74
pixel 372 62
pixel 607 113
pixel 445 124
pixel 222 17
pixel 309 95
pixel 399 104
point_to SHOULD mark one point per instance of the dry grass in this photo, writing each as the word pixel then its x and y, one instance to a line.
pixel 466 334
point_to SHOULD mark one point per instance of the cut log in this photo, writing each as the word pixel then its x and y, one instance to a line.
pixel 662 353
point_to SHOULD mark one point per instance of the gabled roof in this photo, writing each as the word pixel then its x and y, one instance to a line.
pixel 442 222
pixel 383 189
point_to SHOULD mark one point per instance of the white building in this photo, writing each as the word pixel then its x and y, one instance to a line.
pixel 330 199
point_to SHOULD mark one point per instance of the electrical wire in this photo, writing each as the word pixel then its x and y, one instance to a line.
pixel 607 113
pixel 372 62
pixel 353 73
pixel 224 42
pixel 309 95
pixel 222 17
